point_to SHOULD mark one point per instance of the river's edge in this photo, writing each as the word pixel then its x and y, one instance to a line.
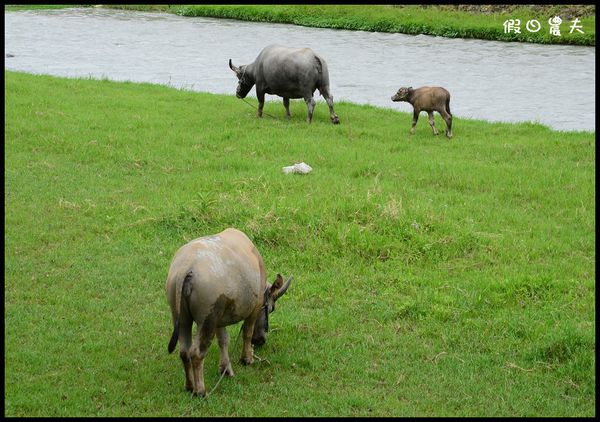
pixel 485 22
pixel 410 19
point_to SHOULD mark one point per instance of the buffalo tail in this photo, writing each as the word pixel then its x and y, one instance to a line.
pixel 174 336
pixel 178 292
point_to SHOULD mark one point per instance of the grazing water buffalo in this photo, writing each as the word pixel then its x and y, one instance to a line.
pixel 217 281
pixel 288 73
pixel 427 99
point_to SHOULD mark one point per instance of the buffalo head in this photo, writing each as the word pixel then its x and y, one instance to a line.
pixel 245 80
pixel 272 293
pixel 402 94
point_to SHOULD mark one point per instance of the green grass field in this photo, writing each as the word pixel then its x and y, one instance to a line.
pixel 433 277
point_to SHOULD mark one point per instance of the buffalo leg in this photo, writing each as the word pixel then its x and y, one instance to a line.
pixel 432 123
pixel 205 336
pixel 310 103
pixel 225 364
pixel 329 98
pixel 448 119
pixel 261 103
pixel 286 104
pixel 185 343
pixel 415 119
pixel 247 331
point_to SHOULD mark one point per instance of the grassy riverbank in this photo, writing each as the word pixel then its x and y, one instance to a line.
pixel 19 7
pixel 454 21
pixel 482 22
pixel 432 277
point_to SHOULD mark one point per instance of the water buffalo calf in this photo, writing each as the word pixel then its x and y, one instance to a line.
pixel 217 281
pixel 429 99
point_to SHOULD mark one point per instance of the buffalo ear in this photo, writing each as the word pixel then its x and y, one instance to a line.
pixel 282 289
pixel 277 283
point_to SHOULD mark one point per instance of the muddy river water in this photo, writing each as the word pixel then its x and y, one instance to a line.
pixel 550 84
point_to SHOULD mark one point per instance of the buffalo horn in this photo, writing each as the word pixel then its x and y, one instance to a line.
pixel 234 68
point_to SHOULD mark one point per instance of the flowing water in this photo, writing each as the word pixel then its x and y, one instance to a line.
pixel 497 81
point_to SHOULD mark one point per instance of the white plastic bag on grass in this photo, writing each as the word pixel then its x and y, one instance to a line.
pixel 301 168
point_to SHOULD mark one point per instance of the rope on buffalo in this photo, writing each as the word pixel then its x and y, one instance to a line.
pixel 244 100
pixel 236 341
pixel 224 372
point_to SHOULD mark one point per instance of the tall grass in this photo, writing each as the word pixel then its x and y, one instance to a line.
pixel 432 277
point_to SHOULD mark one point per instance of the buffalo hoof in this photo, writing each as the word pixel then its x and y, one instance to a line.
pixel 335 120
pixel 188 387
pixel 199 393
pixel 226 369
pixel 246 361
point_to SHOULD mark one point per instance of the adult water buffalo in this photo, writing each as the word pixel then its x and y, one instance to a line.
pixel 288 73
pixel 217 281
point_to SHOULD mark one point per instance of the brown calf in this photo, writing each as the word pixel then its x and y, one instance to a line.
pixel 429 99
